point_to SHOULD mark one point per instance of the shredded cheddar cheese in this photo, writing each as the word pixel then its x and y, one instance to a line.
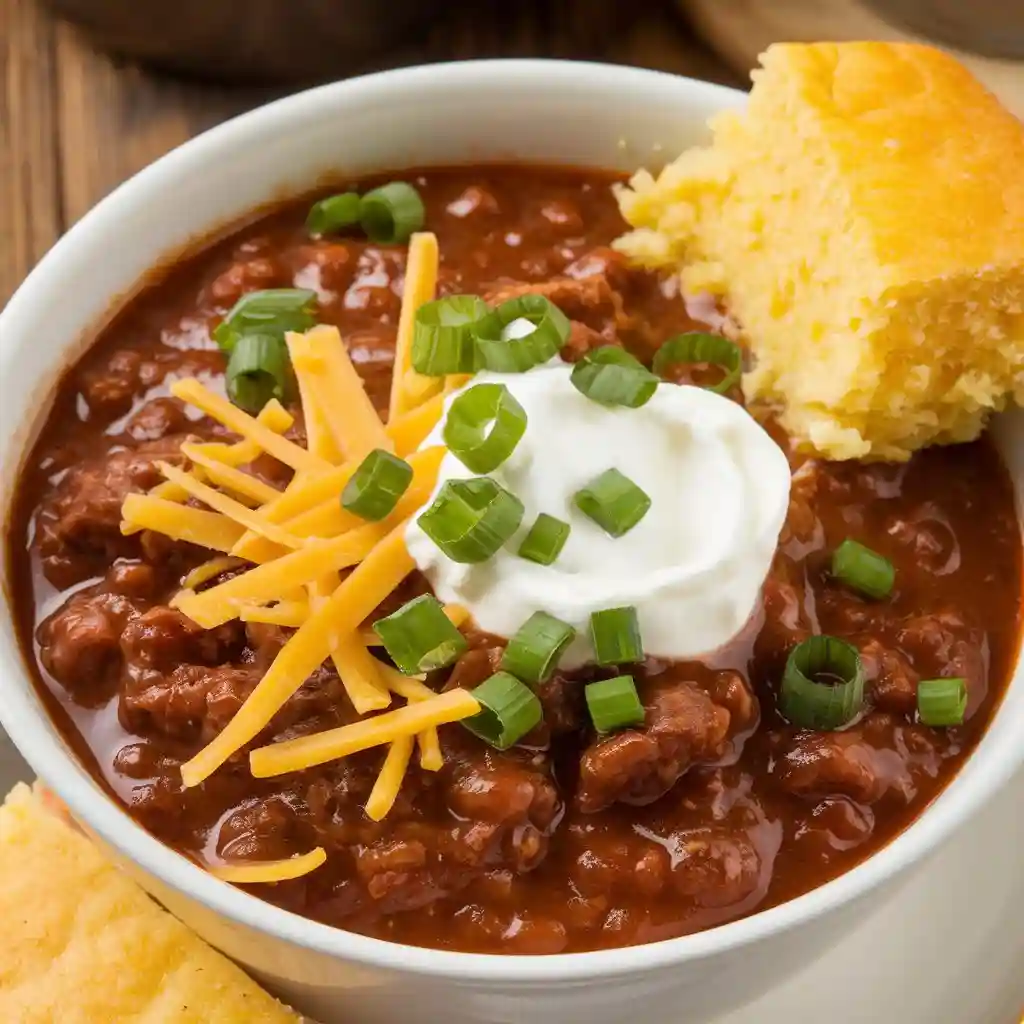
pixel 283 613
pixel 370 582
pixel 413 689
pixel 409 388
pixel 243 484
pixel 307 751
pixel 256 872
pixel 303 562
pixel 234 510
pixel 356 667
pixel 389 781
pixel 338 392
pixel 180 522
pixel 219 408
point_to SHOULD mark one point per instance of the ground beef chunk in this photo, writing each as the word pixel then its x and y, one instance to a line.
pixel 890 678
pixel 683 727
pixel 607 862
pixel 246 276
pixel 109 390
pixel 563 703
pixel 82 517
pixel 602 262
pixel 133 579
pixel 475 202
pixel 942 644
pixel 261 829
pixel 191 703
pixel 841 764
pixel 157 419
pixel 500 808
pixel 480 662
pixel 79 645
pixel 164 637
pixel 715 866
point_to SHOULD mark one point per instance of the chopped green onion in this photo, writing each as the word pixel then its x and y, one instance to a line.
pixel 442 341
pixel 509 710
pixel 613 501
pixel 333 214
pixel 823 684
pixel 469 520
pixel 419 637
pixel 520 334
pixel 544 543
pixel 698 347
pixel 258 370
pixel 465 429
pixel 375 487
pixel 863 569
pixel 942 701
pixel 611 376
pixel 391 213
pixel 615 634
pixel 614 704
pixel 532 654
pixel 272 311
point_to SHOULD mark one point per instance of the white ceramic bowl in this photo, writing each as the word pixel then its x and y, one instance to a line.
pixel 580 114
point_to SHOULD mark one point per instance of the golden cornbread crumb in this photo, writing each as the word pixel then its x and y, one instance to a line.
pixel 864 221
pixel 83 944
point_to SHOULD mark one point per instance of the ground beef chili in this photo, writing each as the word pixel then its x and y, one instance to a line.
pixel 713 809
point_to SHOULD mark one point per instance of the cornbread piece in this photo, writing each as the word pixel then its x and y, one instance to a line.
pixel 82 944
pixel 864 221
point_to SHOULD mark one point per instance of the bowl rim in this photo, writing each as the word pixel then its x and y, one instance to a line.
pixel 30 728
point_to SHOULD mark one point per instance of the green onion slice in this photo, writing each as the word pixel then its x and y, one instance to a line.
pixel 615 634
pixel 333 214
pixel 258 370
pixel 465 429
pixel 442 340
pixel 520 334
pixel 509 710
pixel 272 311
pixel 419 637
pixel 611 376
pixel 823 684
pixel 698 347
pixel 613 501
pixel 375 487
pixel 544 543
pixel 532 654
pixel 942 702
pixel 863 569
pixel 614 704
pixel 391 213
pixel 469 520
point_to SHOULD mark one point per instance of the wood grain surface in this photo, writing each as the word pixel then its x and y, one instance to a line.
pixel 74 122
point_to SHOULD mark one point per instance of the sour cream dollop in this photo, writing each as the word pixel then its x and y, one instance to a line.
pixel 692 567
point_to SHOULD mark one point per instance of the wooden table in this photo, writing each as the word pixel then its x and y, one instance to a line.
pixel 74 123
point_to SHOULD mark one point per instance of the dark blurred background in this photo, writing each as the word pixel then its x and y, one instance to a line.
pixel 93 90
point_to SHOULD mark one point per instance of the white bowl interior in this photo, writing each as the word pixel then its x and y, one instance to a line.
pixel 576 114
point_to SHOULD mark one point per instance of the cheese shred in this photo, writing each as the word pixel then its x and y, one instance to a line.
pixel 389 781
pixel 301 561
pixel 409 388
pixel 307 751
pixel 262 872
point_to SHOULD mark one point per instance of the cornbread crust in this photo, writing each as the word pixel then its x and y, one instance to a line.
pixel 864 221
pixel 82 944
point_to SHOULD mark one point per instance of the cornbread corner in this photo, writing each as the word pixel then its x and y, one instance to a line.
pixel 82 944
pixel 863 220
